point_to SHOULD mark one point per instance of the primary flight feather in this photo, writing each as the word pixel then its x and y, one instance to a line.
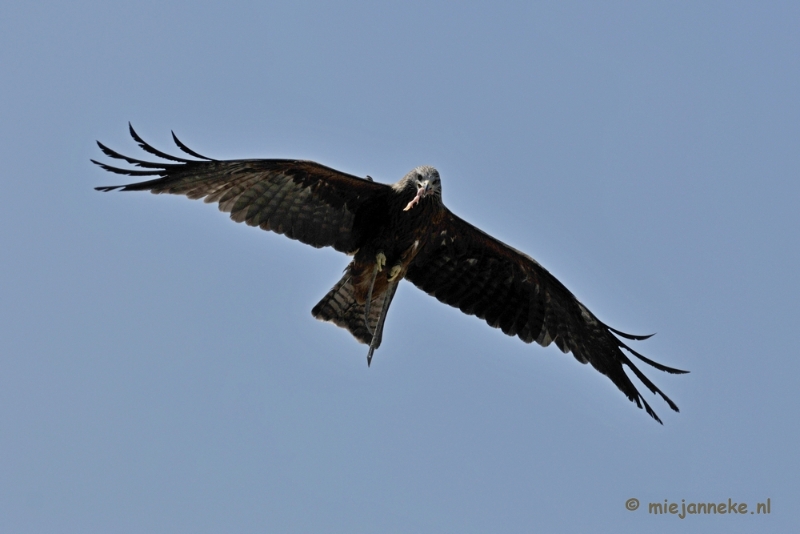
pixel 395 232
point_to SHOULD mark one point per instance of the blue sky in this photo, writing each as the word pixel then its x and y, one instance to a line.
pixel 160 370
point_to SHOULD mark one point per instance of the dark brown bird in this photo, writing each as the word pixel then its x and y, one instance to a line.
pixel 394 232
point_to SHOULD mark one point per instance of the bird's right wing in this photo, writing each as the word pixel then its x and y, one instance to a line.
pixel 300 199
pixel 482 276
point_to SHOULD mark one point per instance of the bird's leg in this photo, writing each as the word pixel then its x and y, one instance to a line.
pixel 380 261
pixel 378 335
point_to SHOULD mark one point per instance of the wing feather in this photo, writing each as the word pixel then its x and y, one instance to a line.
pixel 151 150
pixel 301 199
pixel 482 276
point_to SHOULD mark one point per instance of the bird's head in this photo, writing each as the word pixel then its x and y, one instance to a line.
pixel 425 181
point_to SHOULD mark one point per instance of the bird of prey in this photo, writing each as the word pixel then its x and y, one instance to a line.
pixel 395 232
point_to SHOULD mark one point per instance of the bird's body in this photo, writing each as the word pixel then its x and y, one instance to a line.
pixel 390 240
pixel 396 232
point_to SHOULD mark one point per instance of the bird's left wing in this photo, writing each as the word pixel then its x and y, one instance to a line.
pixel 300 199
pixel 478 274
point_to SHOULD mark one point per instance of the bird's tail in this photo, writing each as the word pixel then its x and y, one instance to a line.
pixel 340 307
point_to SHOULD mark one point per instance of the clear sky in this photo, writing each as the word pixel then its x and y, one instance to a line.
pixel 160 370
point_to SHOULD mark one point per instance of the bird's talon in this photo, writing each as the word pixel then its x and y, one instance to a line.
pixel 394 272
pixel 380 261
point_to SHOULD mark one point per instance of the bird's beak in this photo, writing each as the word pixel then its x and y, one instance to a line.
pixel 422 191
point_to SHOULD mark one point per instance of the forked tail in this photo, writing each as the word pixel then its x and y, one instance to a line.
pixel 340 307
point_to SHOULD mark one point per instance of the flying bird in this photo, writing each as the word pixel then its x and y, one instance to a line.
pixel 395 232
